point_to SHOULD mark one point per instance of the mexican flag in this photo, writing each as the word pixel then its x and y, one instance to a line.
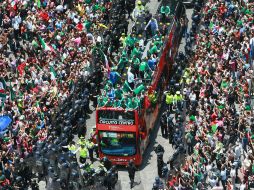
pixel 106 63
pixel 2 88
pixel 53 73
pixel 44 45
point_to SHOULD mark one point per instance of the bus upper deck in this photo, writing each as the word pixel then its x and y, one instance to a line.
pixel 130 77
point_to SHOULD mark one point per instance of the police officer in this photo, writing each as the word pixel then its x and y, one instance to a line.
pixel 163 123
pixel 169 100
pixel 114 176
pixel 178 98
pixel 160 163
pixel 107 163
pixel 64 172
pixel 108 180
pixel 159 150
pixel 131 170
pixel 90 147
pixel 82 141
pixel 170 130
pixel 71 147
pixel 83 154
pixel 158 184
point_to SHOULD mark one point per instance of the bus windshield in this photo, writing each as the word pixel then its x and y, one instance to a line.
pixel 117 143
pixel 116 117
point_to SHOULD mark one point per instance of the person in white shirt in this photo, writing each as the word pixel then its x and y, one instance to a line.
pixel 233 175
pixel 223 176
pixel 213 181
pixel 243 186
pixel 217 187
pixel 192 97
pixel 130 78
pixel 238 151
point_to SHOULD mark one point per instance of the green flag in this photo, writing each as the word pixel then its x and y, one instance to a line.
pixel 39 4
pixel 139 89
pixel 52 73
pixel 44 45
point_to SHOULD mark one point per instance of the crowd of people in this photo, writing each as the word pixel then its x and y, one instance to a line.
pixel 49 50
pixel 52 54
pixel 217 92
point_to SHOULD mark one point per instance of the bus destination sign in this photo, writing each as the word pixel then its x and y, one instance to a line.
pixel 116 121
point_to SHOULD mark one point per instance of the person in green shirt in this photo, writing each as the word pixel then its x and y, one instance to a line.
pixel 136 63
pixel 224 84
pixel 126 87
pixel 132 105
pixel 95 7
pixel 148 77
pixel 136 51
pixel 165 12
pixel 130 40
pixel 117 103
pixel 143 67
pixel 153 49
pixel 108 86
pixel 158 42
pixel 122 62
pixel 88 2
pixel 109 103
pixel 102 101
pixel 88 25
pixel 118 92
pixel 198 175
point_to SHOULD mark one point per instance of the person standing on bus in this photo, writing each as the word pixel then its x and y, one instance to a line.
pixel 165 12
pixel 153 26
pixel 131 78
pixel 138 11
pixel 131 170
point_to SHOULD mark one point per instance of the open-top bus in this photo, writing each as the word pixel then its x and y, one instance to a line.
pixel 124 134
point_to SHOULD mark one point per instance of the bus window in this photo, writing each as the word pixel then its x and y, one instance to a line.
pixel 117 143
pixel 116 117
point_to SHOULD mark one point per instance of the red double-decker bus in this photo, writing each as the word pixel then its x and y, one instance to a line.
pixel 123 134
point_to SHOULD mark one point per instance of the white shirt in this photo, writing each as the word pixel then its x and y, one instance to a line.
pixel 130 77
pixel 192 96
pixel 243 187
pixel 223 174
pixel 217 188
pixel 238 151
pixel 15 22
pixel 213 182
pixel 233 173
